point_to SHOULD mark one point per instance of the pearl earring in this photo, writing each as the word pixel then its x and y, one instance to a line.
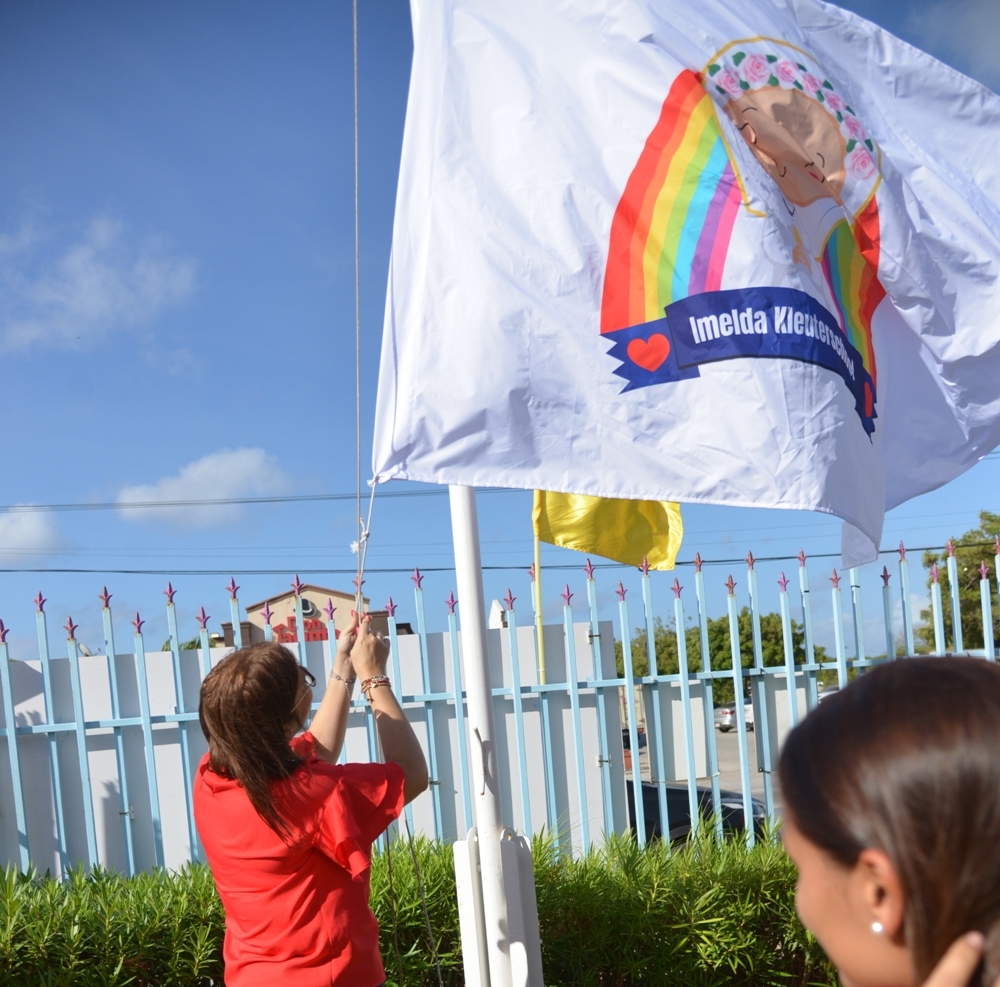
pixel 877 928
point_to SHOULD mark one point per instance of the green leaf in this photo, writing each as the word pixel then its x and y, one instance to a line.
pixel 840 117
pixel 713 68
pixel 744 85
pixel 802 67
pixel 819 96
pixel 772 58
pixel 849 110
pixel 738 57
pixel 773 81
pixel 871 146
pixel 826 84
pixel 798 85
pixel 721 90
pixel 851 145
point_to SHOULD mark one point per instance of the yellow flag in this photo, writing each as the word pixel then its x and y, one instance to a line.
pixel 623 530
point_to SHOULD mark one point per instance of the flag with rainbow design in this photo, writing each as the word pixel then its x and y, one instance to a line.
pixel 733 252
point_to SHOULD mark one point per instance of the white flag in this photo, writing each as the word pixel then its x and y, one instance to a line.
pixel 737 253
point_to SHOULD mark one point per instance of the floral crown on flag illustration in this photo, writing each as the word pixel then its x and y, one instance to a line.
pixel 759 64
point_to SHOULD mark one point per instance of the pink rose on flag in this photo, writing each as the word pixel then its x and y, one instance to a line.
pixel 811 83
pixel 834 102
pixel 786 71
pixel 854 129
pixel 861 164
pixel 729 81
pixel 755 69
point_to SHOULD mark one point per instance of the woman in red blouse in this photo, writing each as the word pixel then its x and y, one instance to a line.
pixel 287 831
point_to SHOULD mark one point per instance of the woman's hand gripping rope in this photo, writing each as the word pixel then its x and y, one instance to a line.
pixel 329 725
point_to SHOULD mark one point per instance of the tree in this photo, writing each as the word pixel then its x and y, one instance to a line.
pixel 772 648
pixel 971 550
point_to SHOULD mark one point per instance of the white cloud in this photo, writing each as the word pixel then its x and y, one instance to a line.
pixel 26 536
pixel 229 473
pixel 965 33
pixel 107 281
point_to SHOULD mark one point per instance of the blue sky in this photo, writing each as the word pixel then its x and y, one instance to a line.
pixel 177 313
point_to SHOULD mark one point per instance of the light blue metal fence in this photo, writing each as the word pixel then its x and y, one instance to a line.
pixel 53 712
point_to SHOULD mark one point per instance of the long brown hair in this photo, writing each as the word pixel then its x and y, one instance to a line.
pixel 906 760
pixel 246 703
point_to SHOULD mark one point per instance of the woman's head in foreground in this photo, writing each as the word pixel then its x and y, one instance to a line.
pixel 892 804
pixel 252 703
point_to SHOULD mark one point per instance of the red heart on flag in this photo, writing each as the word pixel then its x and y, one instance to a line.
pixel 649 353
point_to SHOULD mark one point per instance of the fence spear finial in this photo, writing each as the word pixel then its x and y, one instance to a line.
pixel 390 608
pixel 801 557
pixel 451 602
pixel 621 591
pixel 783 583
pixel 509 599
pixel 588 569
pixel 417 579
pixel 203 617
pixel 697 562
pixel 232 587
pixel 40 602
pixel 750 560
pixel 950 548
pixel 4 631
pixel 835 579
pixel 983 569
pixel 902 552
pixel 566 595
pixel 885 575
pixel 730 584
pixel 677 588
pixel 934 572
pixel 330 609
pixel 137 623
pixel 644 568
pixel 105 598
pixel 531 570
pixel 70 628
pixel 297 584
pixel 170 593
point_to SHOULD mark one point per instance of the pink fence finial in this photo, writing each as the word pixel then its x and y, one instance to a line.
pixel 39 602
pixel 417 579
pixel 531 570
pixel 70 628
pixel 588 569
pixel 203 617
pixel 4 631
pixel 697 562
pixel 390 608
pixel 170 593
pixel 267 613
pixel 885 575
pixel 137 623
pixel 731 584
pixel 566 595
pixel 232 587
pixel 801 557
pixel 644 568
pixel 677 588
pixel 297 585
pixel 330 609
pixel 783 583
pixel 451 602
pixel 835 579
pixel 621 591
pixel 902 552
pixel 934 572
pixel 984 571
pixel 950 548
pixel 357 583
pixel 750 560
pixel 105 597
pixel 509 599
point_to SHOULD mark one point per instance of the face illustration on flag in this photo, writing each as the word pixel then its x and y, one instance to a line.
pixel 735 252
pixel 664 305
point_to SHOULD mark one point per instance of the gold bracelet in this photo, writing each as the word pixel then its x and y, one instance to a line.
pixel 373 683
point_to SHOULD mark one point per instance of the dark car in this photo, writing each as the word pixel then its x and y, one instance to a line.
pixel 678 810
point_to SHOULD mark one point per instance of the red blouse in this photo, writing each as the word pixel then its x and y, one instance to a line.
pixel 297 914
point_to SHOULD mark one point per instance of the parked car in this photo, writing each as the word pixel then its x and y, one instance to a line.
pixel 725 716
pixel 679 813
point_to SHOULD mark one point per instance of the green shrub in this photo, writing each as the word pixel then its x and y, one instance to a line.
pixel 708 914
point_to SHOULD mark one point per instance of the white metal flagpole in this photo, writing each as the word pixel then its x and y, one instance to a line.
pixel 486 784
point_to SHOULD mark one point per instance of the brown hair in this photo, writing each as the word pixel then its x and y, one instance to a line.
pixel 246 703
pixel 906 760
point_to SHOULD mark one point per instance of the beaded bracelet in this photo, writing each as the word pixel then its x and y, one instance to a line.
pixel 373 683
